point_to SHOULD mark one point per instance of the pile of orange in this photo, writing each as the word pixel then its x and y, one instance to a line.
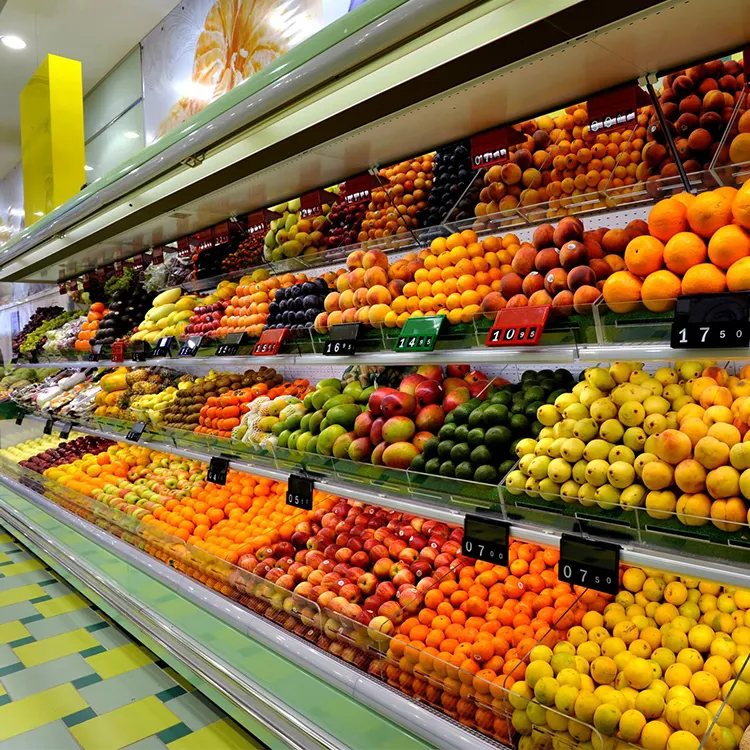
pixel 698 244
pixel 90 327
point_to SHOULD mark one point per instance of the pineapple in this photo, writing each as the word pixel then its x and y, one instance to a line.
pixel 136 376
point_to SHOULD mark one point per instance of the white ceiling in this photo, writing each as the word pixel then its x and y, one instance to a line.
pixel 99 33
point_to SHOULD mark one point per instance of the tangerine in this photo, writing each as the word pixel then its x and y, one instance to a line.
pixel 667 218
pixel 709 212
pixel 683 251
pixel 644 255
pixel 659 290
pixel 705 278
pixel 728 245
pixel 622 291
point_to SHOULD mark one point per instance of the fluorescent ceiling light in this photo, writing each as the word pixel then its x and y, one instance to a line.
pixel 87 168
pixel 38 213
pixel 131 134
pixel 14 42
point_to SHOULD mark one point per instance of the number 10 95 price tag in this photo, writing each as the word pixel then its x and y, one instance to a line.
pixel 592 564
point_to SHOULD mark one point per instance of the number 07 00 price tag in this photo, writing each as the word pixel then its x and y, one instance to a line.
pixel 592 564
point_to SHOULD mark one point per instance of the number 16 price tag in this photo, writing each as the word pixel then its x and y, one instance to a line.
pixel 589 563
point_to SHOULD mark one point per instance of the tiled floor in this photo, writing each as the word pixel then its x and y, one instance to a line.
pixel 71 679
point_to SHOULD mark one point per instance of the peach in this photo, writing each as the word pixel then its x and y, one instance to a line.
pixel 615 262
pixel 331 302
pixel 377 314
pixel 682 86
pixel 356 278
pixel 511 173
pixel 711 452
pixel 593 248
pixel 523 261
pixel 342 282
pixel 556 280
pixel 518 300
pixel 690 476
pixel 547 259
pixel 712 121
pixel 581 276
pixel 363 315
pixel 562 304
pixel 399 270
pixel 638 227
pixel 615 241
pixel 699 139
pixel 492 304
pixel 349 316
pixel 354 259
pixel 685 123
pixel 345 300
pixel 543 236
pixel 396 287
pixel 540 298
pixel 378 295
pixel 373 258
pixel 706 85
pixel 510 285
pixel 584 297
pixel 334 318
pixel 691 103
pixel 729 514
pixel 673 446
pixel 600 268
pixel 714 68
pixel 568 230
pixel 532 283
pixel 573 254
pixel 522 157
pixel 360 297
pixel 321 322
pixel 723 482
pixel 375 276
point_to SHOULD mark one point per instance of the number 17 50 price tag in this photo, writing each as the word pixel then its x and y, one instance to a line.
pixel 716 321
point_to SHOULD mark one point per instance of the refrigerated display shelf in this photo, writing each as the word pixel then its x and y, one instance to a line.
pixel 422 726
pixel 666 549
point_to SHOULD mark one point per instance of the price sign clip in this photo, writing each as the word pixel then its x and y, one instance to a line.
pixel 590 563
pixel 231 344
pixel 715 321
pixel 217 470
pixel 486 538
pixel 270 342
pixel 163 347
pixel 65 429
pixel 190 347
pixel 519 326
pixel 299 491
pixel 48 426
pixel 342 340
pixel 96 353
pixel 136 431
pixel 19 417
pixel 139 351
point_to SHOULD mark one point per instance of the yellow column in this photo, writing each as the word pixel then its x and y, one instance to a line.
pixel 52 140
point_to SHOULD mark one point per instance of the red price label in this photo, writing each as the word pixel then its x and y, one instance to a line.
pixel 269 342
pixel 62 287
pixel 118 268
pixel 118 351
pixel 311 204
pixel 220 233
pixel 746 64
pixel 358 189
pixel 616 109
pixel 157 256
pixel 137 263
pixel 72 286
pixel 183 247
pixel 493 146
pixel 86 282
pixel 258 221
pixel 519 326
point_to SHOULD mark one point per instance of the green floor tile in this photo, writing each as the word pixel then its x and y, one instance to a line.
pixel 174 692
pixel 97 626
pixel 45 598
pixel 83 682
pixel 22 641
pixel 31 618
pixel 177 732
pixel 93 651
pixel 79 717
pixel 4 671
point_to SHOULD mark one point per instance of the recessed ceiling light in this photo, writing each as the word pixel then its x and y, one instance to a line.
pixel 88 168
pixel 14 42
pixel 131 134
pixel 38 213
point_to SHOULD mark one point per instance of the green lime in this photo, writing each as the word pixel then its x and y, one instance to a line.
pixel 449 418
pixel 487 474
pixel 561 375
pixel 506 466
pixel 553 396
pixel 513 445
pixel 432 466
pixel 476 437
pixel 502 397
pixel 465 470
pixel 418 463
pixel 461 413
pixel 481 455
pixel 542 374
pixel 476 418
pixel 495 414
pixel 447 431
pixel 461 434
pixel 531 409
pixel 536 428
pixel 534 393
pixel 497 437
pixel 529 375
pixel 519 407
pixel 431 447
pixel 460 452
pixel 549 384
pixel 519 422
pixel 474 402
pixel 444 449
pixel 447 469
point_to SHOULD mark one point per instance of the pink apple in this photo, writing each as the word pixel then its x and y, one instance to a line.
pixel 382 568
pixel 404 576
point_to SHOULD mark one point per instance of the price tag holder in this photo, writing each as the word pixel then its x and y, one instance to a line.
pixel 258 221
pixel 118 352
pixel 358 189
pixel 419 334
pixel 519 326
pixel 231 344
pixel 139 351
pixel 48 426
pixel 136 432
pixel 269 342
pixel 96 353
pixel 589 563
pixel 163 347
pixel 616 109
pixel 716 321
pixel 299 492
pixel 342 340
pixel 65 429
pixel 19 417
pixel 217 470
pixel 311 204
pixel 486 539
pixel 190 347
pixel 493 146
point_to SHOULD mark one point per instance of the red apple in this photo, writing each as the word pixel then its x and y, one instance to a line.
pixel 457 371
pixel 360 559
pixel 382 568
pixel 428 392
pixel 367 584
pixel 386 590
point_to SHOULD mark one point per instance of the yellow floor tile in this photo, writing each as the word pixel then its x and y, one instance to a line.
pixel 5 538
pixel 61 605
pixel 55 647
pixel 2 689
pixel 23 567
pixel 39 709
pixel 13 631
pixel 119 660
pixel 125 725
pixel 224 733
pixel 4 558
pixel 21 594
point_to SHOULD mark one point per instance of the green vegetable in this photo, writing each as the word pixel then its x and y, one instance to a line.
pixel 34 339
pixel 116 284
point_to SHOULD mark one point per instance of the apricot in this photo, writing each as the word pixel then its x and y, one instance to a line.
pixel 690 476
pixel 673 446
pixel 728 515
pixel 711 453
pixel 562 304
pixel 723 482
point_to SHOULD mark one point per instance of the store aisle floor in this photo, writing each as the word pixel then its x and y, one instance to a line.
pixel 71 679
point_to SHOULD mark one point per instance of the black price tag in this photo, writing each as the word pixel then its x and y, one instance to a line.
pixel 163 347
pixel 217 470
pixel 190 347
pixel 139 351
pixel 486 539
pixel 48 426
pixel 342 340
pixel 136 431
pixel 19 417
pixel 299 492
pixel 96 353
pixel 231 345
pixel 716 321
pixel 65 430
pixel 589 563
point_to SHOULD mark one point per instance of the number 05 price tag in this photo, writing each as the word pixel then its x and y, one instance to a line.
pixel 299 492
pixel 589 563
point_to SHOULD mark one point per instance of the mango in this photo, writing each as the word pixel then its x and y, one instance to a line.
pixel 321 396
pixel 186 303
pixel 170 296
pixel 328 437
pixel 160 311
pixel 344 415
pixel 315 421
pixel 303 440
pixel 344 398
pixel 329 383
pixel 341 446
